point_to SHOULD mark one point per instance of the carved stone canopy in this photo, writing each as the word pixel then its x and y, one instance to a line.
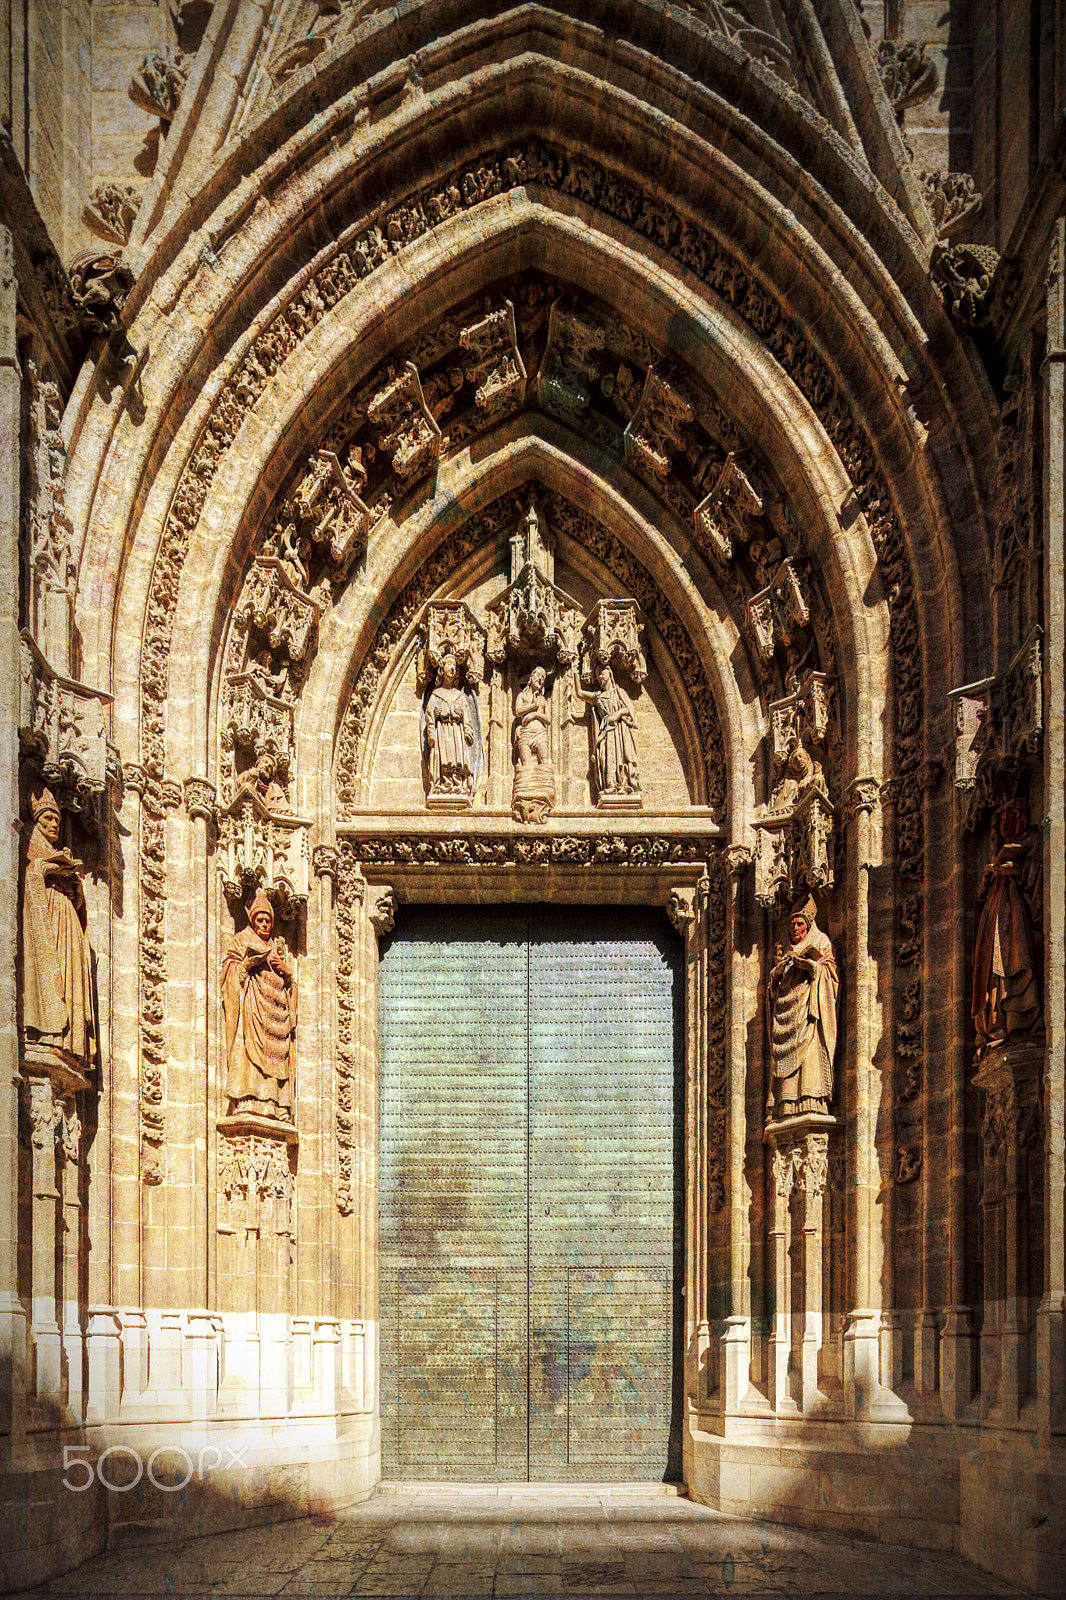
pixel 612 638
pixel 449 627
pixel 260 848
pixel 276 606
pixel 999 729
pixel 722 518
pixel 62 727
pixel 532 618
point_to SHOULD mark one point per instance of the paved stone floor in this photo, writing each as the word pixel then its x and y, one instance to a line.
pixel 432 1541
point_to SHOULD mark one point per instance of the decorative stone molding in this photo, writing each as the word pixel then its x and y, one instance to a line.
pixel 999 727
pixel 908 77
pixel 260 848
pixel 504 850
pixel 952 201
pixel 495 365
pixel 681 909
pixel 62 729
pixel 723 519
pixel 407 431
pixel 964 273
pixel 653 437
pixel 449 627
pixel 111 210
pixel 99 283
pixel 200 799
pixel 159 82
pixel 326 861
pixel 274 604
pixel 570 363
pixel 381 909
pixel 612 637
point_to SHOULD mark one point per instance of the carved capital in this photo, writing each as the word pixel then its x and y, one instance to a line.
pixel 952 201
pixel 200 798
pixel 863 798
pixel 738 858
pixel 381 909
pixel 681 909
pixel 964 273
pixel 326 861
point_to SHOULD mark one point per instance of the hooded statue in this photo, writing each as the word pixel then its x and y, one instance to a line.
pixel 801 1001
pixel 57 989
pixel 260 998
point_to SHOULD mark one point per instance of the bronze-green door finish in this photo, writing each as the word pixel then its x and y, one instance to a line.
pixel 530 1194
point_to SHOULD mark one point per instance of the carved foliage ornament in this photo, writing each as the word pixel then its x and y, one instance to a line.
pixel 157 85
pixel 111 210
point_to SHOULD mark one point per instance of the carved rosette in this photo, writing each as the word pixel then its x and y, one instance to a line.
pixel 258 848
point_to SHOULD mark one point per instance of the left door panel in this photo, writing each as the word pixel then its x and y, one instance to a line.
pixel 453 1143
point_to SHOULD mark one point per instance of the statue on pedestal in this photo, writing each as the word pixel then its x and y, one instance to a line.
pixel 533 794
pixel 801 999
pixel 260 999
pixel 1008 954
pixel 57 988
pixel 617 769
pixel 452 734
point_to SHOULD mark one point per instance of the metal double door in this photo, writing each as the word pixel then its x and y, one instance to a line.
pixel 530 1159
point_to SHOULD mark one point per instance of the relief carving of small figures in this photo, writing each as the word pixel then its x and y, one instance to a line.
pixel 260 999
pixel 451 731
pixel 617 767
pixel 57 986
pixel 1009 937
pixel 533 794
pixel 801 1001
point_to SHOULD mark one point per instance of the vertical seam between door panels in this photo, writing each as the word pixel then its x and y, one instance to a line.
pixel 529 1186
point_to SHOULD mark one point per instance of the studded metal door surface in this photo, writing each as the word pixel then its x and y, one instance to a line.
pixel 529 1183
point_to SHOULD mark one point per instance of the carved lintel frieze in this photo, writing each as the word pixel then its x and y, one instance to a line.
pixel 495 363
pixel 612 638
pixel 62 728
pixel 570 363
pixel 407 431
pixel 653 434
pixel 725 517
pixel 275 605
pixel 505 850
pixel 258 848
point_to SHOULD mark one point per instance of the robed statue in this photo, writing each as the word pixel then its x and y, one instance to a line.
pixel 533 791
pixel 259 995
pixel 617 769
pixel 57 988
pixel 1008 954
pixel 801 1000
pixel 451 733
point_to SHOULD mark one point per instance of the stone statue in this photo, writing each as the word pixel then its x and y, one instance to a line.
pixel 57 987
pixel 1008 954
pixel 259 995
pixel 451 732
pixel 617 770
pixel 533 794
pixel 801 999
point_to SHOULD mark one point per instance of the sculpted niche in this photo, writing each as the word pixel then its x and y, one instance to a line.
pixel 57 987
pixel 259 995
pixel 1008 957
pixel 615 733
pixel 801 1002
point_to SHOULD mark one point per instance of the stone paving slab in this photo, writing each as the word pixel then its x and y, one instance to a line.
pixel 483 1542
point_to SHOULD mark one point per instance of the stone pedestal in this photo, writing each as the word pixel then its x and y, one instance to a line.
pixel 800 1173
